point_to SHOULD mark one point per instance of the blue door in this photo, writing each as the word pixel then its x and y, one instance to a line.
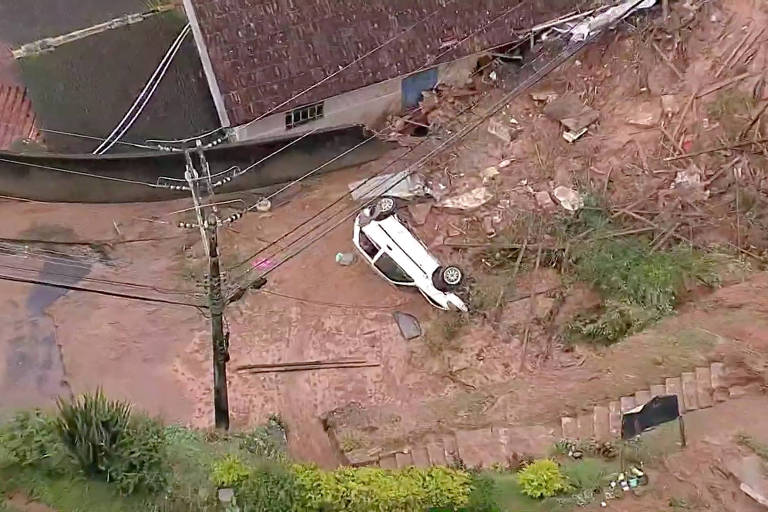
pixel 415 84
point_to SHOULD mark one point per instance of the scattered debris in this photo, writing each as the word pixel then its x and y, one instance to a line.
pixel 544 200
pixel 489 173
pixel 670 104
pixel 751 473
pixel 409 325
pixel 691 183
pixel 345 259
pixel 583 30
pixel 544 96
pixel 471 200
pixel 572 137
pixel 504 163
pixel 404 185
pixel 263 264
pixel 497 127
pixel 264 205
pixel 569 198
pixel 419 212
pixel 488 227
pixel 572 114
pixel 646 115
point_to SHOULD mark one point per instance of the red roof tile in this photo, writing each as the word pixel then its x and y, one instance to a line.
pixel 265 51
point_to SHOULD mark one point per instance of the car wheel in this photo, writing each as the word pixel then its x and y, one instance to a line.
pixel 384 208
pixel 447 278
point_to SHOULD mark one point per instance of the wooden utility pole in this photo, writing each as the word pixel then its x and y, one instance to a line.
pixel 208 222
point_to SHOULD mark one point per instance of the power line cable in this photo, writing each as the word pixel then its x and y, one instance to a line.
pixel 98 292
pixel 557 61
pixel 81 173
pixel 145 95
pixel 101 139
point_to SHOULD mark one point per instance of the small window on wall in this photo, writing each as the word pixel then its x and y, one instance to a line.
pixel 303 115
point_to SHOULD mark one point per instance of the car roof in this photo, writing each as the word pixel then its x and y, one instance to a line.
pixel 402 243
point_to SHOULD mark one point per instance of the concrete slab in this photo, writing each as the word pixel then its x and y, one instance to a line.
pixel 704 391
pixel 403 460
pixel 614 418
pixel 675 387
pixel 570 429
pixel 658 390
pixel 642 397
pixel 420 457
pixel 388 462
pixel 627 403
pixel 602 418
pixel 436 454
pixel 690 398
pixel 586 426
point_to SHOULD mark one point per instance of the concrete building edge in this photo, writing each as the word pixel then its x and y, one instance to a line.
pixel 205 59
pixel 376 102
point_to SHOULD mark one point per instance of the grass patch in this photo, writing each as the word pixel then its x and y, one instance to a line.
pixel 443 332
pixel 760 449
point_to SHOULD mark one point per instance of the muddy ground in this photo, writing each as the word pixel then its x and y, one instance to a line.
pixel 158 355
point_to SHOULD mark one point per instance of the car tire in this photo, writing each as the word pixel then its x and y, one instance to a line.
pixel 447 278
pixel 385 207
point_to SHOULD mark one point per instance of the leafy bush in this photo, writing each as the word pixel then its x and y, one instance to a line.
pixel 366 489
pixel 482 498
pixel 541 479
pixel 268 441
pixel 271 488
pixel 31 440
pixel 639 286
pixel 107 441
pixel 229 472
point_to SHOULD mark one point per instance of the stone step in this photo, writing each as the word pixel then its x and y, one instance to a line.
pixel 585 424
pixel 388 462
pixel 704 391
pixel 570 428
pixel 627 403
pixel 614 418
pixel 451 449
pixel 436 454
pixel 689 391
pixel 601 419
pixel 420 457
pixel 479 448
pixel 642 397
pixel 675 387
pixel 403 460
pixel 717 372
pixel 658 390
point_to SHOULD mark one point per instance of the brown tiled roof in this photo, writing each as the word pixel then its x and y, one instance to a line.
pixel 17 120
pixel 265 51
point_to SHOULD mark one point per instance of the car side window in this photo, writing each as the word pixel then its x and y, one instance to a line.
pixel 392 270
pixel 368 246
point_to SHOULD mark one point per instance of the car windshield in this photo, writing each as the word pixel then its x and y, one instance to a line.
pixel 392 270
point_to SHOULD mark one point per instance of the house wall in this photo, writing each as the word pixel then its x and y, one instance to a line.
pixel 369 106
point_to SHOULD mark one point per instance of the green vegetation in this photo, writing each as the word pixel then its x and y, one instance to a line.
pixel 760 449
pixel 541 479
pixel 638 285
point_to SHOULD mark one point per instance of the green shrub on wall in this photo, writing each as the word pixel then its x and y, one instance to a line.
pixel 367 489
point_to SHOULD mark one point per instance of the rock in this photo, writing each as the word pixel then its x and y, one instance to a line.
pixel 226 495
pixel 646 115
pixel 670 104
pixel 569 198
pixel 346 259
pixel 419 212
pixel 544 200
pixel 504 163
pixel 467 201
pixel 489 173
pixel 497 127
pixel 409 325
pixel 571 113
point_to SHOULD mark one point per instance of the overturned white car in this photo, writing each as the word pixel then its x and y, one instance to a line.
pixel 402 259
